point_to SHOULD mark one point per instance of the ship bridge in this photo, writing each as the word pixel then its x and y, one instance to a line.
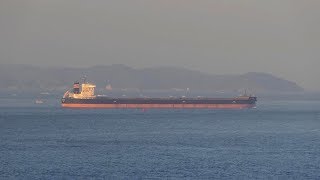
pixel 87 91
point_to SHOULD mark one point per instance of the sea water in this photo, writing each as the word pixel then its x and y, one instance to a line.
pixel 276 140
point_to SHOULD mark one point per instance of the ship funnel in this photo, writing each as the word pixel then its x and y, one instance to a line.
pixel 76 88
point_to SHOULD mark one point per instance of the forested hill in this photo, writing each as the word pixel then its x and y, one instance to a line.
pixel 31 78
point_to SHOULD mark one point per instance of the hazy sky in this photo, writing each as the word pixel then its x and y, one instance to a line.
pixel 281 37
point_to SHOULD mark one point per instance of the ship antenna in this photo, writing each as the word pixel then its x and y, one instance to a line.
pixel 187 92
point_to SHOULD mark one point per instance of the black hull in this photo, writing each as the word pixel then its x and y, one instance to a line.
pixel 102 102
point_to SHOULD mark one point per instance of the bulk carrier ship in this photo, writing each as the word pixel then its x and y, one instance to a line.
pixel 83 96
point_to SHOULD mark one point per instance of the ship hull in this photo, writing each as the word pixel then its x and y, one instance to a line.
pixel 160 106
pixel 158 103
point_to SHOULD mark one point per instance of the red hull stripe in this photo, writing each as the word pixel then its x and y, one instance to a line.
pixel 159 106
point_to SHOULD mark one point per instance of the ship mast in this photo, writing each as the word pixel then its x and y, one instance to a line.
pixel 84 79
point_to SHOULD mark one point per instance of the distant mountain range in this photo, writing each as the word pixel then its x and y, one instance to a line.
pixel 31 78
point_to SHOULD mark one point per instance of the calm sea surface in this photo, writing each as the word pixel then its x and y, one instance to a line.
pixel 277 140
